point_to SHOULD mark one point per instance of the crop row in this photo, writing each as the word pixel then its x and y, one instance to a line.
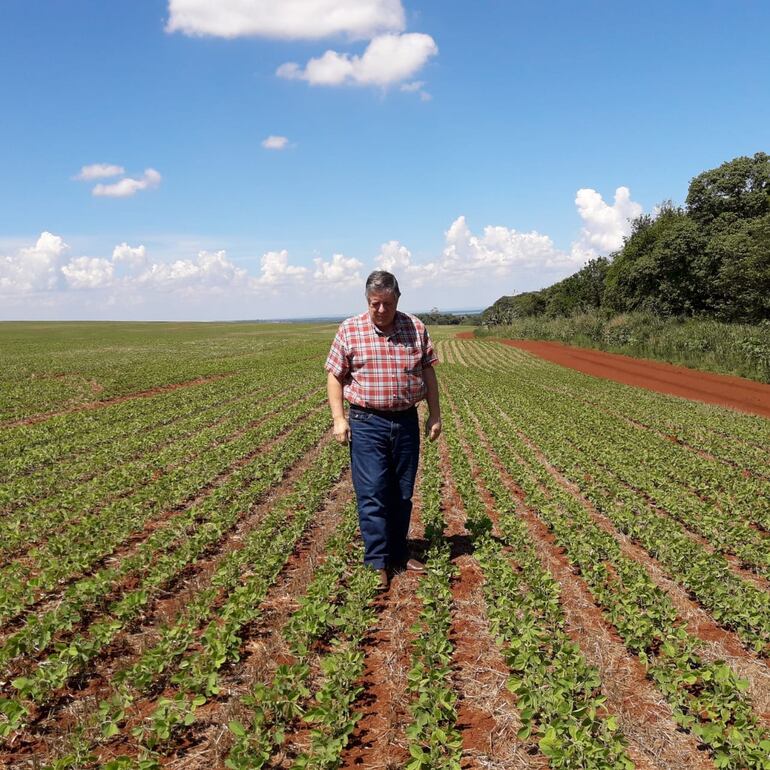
pixel 244 573
pixel 434 740
pixel 686 480
pixel 30 448
pixel 695 437
pixel 116 470
pixel 92 592
pixel 706 698
pixel 331 607
pixel 212 518
pixel 83 545
pixel 717 503
pixel 582 454
pixel 61 378
pixel 243 579
pixel 738 439
pixel 558 693
pixel 135 437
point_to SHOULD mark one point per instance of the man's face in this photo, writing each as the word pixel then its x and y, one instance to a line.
pixel 382 308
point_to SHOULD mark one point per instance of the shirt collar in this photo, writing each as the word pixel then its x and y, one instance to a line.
pixel 398 323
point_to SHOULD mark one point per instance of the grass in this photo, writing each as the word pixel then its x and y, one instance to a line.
pixel 738 349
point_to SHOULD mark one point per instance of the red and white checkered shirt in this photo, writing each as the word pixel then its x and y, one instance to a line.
pixel 378 370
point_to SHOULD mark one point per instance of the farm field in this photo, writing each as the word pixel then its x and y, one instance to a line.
pixel 181 582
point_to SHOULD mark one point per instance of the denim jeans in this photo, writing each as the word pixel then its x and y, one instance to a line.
pixel 384 452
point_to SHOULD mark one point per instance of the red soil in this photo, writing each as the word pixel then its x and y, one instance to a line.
pixel 733 392
pixel 379 739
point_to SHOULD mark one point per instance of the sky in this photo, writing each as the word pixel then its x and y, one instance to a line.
pixel 241 159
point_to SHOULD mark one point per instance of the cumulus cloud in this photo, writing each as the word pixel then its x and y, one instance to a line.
pixel 128 186
pixel 88 272
pixel 42 267
pixel 285 19
pixel 99 171
pixel 276 271
pixel 33 268
pixel 275 143
pixel 467 259
pixel 211 270
pixel 605 226
pixel 340 272
pixel 497 249
pixel 131 256
pixel 387 59
pixel 471 268
pixel 394 257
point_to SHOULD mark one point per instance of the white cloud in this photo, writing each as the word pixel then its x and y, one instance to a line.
pixel 490 263
pixel 471 269
pixel 211 270
pixel 412 87
pixel 394 257
pixel 416 87
pixel 497 250
pixel 34 268
pixel 131 256
pixel 99 171
pixel 128 186
pixel 276 270
pixel 285 19
pixel 340 272
pixel 88 272
pixel 275 143
pixel 387 59
pixel 604 226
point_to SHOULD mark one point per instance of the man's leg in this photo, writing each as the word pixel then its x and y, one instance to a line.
pixel 405 457
pixel 369 453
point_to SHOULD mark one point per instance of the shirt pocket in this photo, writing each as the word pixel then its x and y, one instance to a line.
pixel 410 359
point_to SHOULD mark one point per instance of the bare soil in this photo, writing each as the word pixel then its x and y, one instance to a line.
pixel 721 389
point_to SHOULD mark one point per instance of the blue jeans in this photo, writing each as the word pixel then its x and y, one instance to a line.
pixel 384 452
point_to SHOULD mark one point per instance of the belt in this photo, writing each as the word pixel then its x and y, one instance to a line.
pixel 387 413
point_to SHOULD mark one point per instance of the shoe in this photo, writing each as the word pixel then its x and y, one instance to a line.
pixel 384 579
pixel 414 565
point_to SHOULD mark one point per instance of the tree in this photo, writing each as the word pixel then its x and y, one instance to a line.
pixel 741 287
pixel 655 270
pixel 738 189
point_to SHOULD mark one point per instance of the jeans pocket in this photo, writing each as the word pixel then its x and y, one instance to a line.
pixel 357 415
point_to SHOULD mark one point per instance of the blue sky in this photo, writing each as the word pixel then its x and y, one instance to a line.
pixel 444 140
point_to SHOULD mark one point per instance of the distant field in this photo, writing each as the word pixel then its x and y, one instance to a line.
pixel 181 582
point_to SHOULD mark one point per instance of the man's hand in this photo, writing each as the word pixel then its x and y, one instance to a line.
pixel 433 427
pixel 342 430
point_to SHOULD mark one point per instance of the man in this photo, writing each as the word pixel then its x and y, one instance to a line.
pixel 381 362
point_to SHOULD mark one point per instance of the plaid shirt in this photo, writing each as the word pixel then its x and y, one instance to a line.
pixel 378 370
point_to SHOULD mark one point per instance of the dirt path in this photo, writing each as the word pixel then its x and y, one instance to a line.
pixel 732 392
pixel 379 740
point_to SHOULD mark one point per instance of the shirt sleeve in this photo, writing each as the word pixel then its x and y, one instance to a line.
pixel 337 361
pixel 429 357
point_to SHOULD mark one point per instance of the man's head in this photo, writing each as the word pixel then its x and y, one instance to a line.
pixel 382 295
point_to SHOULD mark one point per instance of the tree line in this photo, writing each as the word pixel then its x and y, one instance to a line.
pixel 708 258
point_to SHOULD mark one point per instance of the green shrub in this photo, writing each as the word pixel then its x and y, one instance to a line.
pixel 740 349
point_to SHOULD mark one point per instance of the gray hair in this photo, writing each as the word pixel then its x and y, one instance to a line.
pixel 382 280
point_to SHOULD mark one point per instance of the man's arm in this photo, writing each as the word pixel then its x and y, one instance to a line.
pixel 433 424
pixel 334 393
